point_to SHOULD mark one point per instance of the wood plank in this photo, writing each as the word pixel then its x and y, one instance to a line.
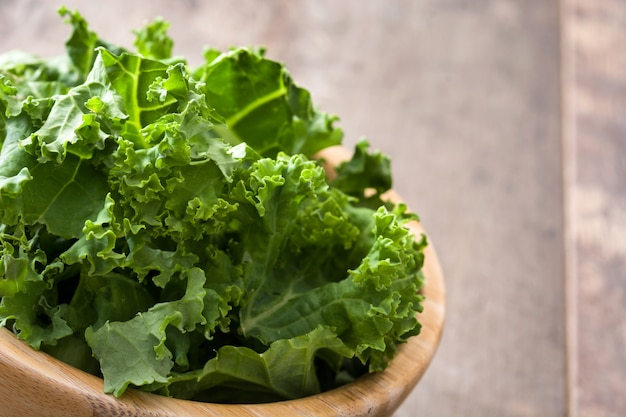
pixel 485 146
pixel 598 83
pixel 464 95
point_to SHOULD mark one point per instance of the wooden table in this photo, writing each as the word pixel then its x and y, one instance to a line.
pixel 506 122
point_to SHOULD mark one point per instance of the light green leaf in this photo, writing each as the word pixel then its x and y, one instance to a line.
pixel 286 370
pixel 134 351
pixel 56 196
pixel 80 121
pixel 132 77
pixel 153 42
pixel 9 104
pixel 262 106
pixel 369 310
pixel 97 244
pixel 365 172
pixel 82 43
pixel 51 194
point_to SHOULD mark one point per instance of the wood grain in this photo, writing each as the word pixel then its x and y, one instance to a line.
pixel 597 39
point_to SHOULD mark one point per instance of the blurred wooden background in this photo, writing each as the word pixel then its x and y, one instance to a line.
pixel 506 122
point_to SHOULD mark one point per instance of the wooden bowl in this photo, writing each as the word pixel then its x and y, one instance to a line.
pixel 36 384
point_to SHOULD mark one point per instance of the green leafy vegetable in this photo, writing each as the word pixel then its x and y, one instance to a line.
pixel 168 227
